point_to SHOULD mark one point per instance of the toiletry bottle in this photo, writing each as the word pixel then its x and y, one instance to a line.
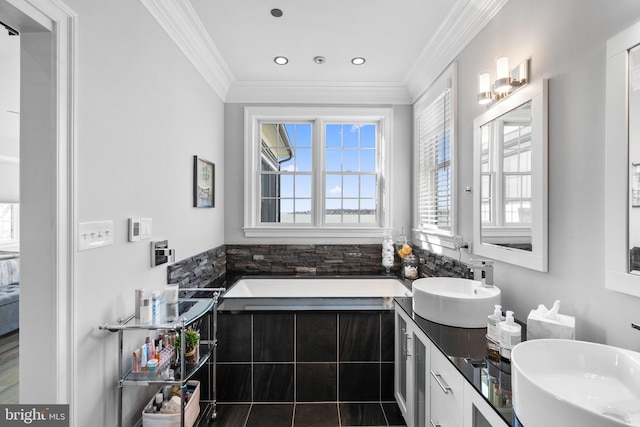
pixel 145 311
pixel 493 335
pixel 143 357
pixel 510 335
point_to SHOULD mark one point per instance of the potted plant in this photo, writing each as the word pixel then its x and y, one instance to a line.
pixel 192 341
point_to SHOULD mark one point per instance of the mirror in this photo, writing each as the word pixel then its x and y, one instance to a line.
pixel 634 161
pixel 622 186
pixel 510 179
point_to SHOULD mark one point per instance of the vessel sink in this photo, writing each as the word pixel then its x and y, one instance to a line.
pixel 575 383
pixel 454 302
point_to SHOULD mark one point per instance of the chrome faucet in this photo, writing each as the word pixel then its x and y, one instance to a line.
pixel 482 271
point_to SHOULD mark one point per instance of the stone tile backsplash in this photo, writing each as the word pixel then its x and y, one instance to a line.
pixel 224 261
pixel 304 259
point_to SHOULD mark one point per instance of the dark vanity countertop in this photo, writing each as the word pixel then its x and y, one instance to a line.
pixel 467 350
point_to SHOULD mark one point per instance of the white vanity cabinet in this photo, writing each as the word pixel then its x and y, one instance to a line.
pixel 411 382
pixel 447 391
pixel 429 389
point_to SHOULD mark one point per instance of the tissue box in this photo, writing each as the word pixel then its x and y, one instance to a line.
pixel 562 326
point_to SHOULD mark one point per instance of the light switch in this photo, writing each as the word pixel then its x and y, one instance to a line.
pixel 93 235
pixel 145 228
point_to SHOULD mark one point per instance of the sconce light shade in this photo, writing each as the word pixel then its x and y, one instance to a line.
pixel 503 78
pixel 506 81
pixel 484 88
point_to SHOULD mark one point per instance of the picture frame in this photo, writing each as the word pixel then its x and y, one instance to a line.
pixel 203 183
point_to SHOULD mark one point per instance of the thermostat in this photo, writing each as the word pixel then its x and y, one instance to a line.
pixel 134 229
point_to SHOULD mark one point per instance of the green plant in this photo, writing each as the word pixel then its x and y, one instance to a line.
pixel 191 339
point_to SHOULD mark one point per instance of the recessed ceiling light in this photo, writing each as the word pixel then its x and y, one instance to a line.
pixel 276 13
pixel 281 60
pixel 319 59
pixel 358 60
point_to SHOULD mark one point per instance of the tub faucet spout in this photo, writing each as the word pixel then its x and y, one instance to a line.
pixel 482 271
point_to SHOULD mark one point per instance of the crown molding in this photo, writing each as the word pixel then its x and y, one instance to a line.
pixel 180 21
pixel 318 93
pixel 463 23
pixel 182 24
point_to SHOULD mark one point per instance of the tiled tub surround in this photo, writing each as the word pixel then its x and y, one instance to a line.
pixel 204 269
pixel 353 259
pixel 356 259
pixel 305 356
pixel 237 260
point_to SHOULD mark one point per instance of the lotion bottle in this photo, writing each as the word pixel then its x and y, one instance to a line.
pixel 510 335
pixel 493 335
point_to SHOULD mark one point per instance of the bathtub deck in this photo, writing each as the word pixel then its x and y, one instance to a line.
pixel 258 294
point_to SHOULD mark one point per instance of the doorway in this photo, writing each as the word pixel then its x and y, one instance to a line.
pixel 47 210
pixel 9 213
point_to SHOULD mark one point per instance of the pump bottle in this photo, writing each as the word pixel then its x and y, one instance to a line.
pixel 493 335
pixel 510 335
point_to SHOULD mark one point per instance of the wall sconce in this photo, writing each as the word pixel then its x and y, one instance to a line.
pixel 505 83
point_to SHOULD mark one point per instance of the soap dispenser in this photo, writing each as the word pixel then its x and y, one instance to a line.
pixel 510 335
pixel 493 335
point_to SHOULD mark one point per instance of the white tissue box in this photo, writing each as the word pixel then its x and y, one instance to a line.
pixel 562 326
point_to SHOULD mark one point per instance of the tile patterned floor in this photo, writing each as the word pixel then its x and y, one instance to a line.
pixel 377 414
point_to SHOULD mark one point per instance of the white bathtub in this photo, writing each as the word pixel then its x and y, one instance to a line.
pixel 318 293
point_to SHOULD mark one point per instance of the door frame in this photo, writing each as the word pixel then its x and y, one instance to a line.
pixel 47 28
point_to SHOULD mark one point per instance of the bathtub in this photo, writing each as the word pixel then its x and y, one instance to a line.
pixel 317 293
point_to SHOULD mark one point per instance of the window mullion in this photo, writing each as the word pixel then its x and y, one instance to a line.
pixel 318 179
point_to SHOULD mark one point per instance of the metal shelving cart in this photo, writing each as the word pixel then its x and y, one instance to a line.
pixel 187 311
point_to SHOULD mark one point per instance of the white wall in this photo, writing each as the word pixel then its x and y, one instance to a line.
pixel 234 161
pixel 143 112
pixel 567 44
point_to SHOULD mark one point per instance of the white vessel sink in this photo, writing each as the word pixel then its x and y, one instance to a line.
pixel 575 383
pixel 454 302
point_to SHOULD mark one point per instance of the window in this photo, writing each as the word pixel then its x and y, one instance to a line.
pixel 9 224
pixel 311 172
pixel 506 153
pixel 434 202
pixel 434 163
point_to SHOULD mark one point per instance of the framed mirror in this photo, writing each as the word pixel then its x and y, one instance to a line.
pixel 622 185
pixel 510 179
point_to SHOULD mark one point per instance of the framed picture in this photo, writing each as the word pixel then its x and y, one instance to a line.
pixel 203 183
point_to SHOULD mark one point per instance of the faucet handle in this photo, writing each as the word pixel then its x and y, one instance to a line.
pixel 635 325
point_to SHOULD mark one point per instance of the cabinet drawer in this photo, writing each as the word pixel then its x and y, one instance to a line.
pixel 447 385
pixel 440 415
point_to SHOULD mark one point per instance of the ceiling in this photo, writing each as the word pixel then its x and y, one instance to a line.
pixel 390 35
pixel 407 44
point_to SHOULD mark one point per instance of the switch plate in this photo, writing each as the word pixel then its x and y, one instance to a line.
pixel 96 234
pixel 145 228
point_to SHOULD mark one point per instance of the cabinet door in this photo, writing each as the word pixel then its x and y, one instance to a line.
pixel 421 389
pixel 402 364
pixel 447 384
pixel 477 412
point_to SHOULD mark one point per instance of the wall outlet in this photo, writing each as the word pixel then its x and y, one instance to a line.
pixel 460 243
pixel 92 235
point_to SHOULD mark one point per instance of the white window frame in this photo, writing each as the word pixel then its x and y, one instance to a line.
pixel 320 117
pixel 433 235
